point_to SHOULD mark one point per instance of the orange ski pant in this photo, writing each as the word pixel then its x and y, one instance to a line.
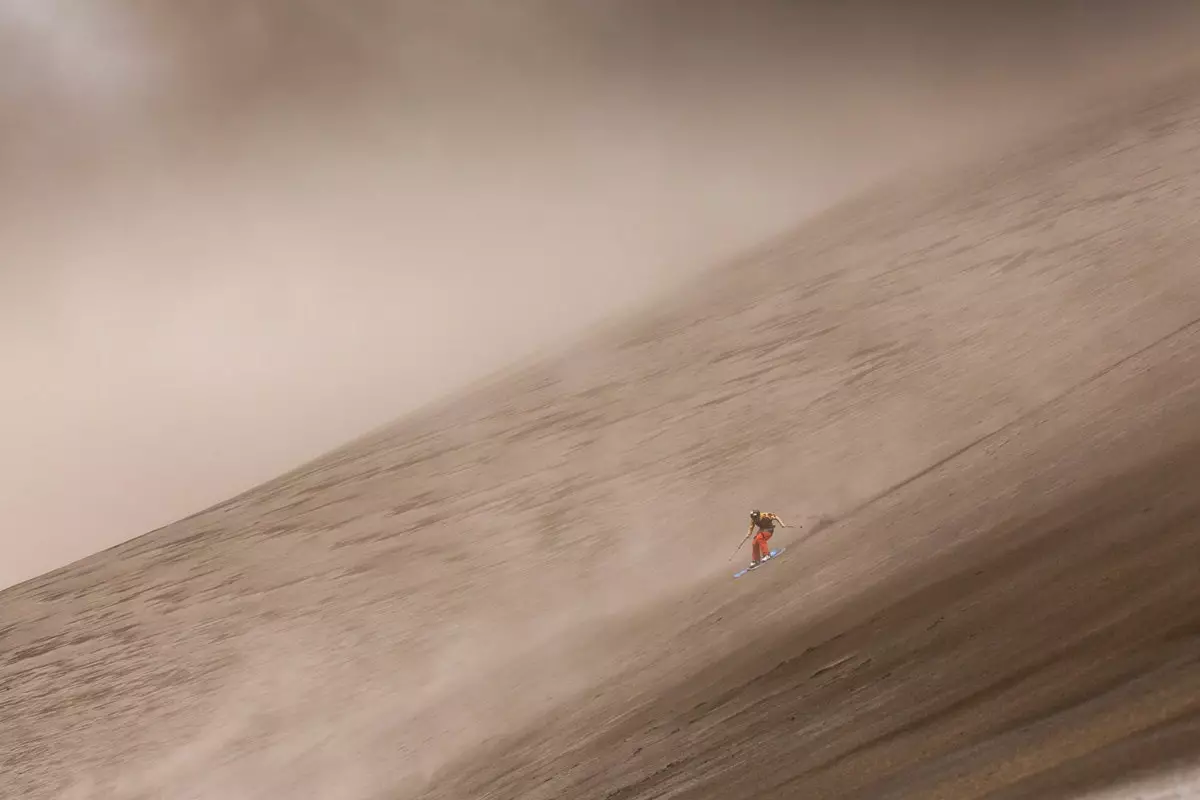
pixel 761 548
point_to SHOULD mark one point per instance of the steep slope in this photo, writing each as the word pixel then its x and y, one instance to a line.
pixel 985 381
pixel 1021 622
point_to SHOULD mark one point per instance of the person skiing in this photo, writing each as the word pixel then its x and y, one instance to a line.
pixel 764 523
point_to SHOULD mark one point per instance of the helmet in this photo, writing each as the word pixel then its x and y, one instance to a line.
pixel 755 514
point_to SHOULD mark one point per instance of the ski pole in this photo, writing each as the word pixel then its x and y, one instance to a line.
pixel 739 547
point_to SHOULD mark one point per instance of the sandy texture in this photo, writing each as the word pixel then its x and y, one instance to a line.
pixel 978 393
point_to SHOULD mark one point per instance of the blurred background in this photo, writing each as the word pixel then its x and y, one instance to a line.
pixel 236 234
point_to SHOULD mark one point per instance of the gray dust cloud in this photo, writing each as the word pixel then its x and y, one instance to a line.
pixel 443 346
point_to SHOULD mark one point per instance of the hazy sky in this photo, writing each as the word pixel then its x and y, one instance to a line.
pixel 237 233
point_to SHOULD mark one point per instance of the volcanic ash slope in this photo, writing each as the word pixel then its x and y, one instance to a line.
pixel 551 547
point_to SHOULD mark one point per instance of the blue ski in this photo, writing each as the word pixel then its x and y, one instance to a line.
pixel 771 557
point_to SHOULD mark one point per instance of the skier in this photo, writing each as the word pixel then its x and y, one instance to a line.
pixel 764 522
